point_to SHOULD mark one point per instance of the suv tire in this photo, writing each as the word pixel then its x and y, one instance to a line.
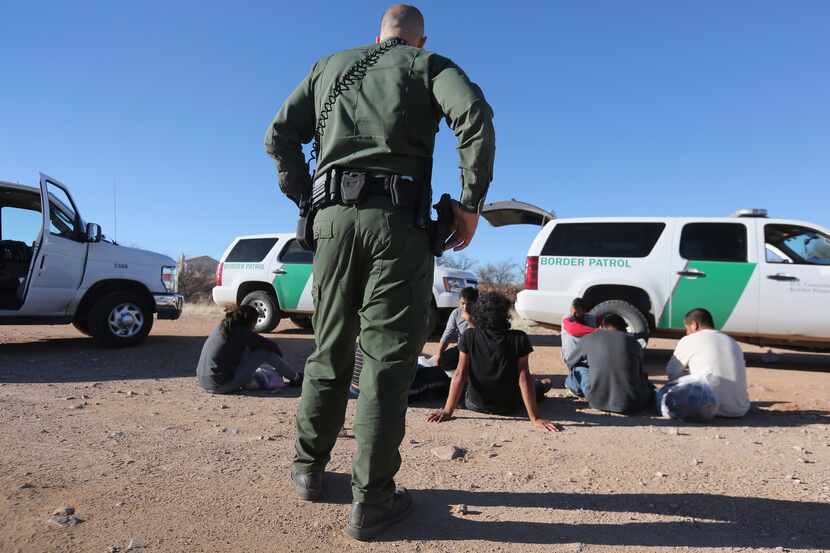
pixel 81 326
pixel 120 319
pixel 269 312
pixel 634 318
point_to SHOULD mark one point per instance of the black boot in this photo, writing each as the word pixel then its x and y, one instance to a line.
pixel 368 520
pixel 308 486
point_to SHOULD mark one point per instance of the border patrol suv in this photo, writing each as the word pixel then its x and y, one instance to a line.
pixel 272 272
pixel 56 269
pixel 766 281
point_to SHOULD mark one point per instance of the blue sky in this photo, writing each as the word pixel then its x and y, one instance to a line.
pixel 602 107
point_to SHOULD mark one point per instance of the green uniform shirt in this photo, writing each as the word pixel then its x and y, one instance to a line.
pixel 386 122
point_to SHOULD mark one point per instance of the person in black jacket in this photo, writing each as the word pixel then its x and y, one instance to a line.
pixel 233 352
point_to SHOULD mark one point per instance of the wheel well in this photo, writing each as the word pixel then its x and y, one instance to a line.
pixel 104 287
pixel 247 287
pixel 635 296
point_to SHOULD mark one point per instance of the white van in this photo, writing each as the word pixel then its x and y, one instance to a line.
pixel 765 281
pixel 55 269
pixel 272 272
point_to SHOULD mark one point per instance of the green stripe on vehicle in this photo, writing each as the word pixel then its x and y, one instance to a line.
pixel 719 292
pixel 289 286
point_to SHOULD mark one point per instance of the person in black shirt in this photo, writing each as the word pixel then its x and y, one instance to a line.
pixel 233 352
pixel 493 362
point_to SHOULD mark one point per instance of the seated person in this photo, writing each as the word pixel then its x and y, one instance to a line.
pixel 615 381
pixel 459 321
pixel 493 363
pixel 710 358
pixel 574 327
pixel 430 380
pixel 233 353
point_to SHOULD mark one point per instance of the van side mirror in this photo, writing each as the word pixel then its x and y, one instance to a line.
pixel 93 232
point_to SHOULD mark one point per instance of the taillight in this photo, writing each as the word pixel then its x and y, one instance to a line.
pixel 532 273
pixel 219 269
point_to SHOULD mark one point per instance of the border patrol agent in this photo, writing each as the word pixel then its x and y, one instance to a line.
pixel 373 113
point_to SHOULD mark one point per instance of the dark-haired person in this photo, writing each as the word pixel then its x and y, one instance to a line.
pixel 493 363
pixel 578 324
pixel 457 324
pixel 615 381
pixel 707 355
pixel 233 352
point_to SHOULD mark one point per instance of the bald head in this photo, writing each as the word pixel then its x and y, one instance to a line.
pixel 403 21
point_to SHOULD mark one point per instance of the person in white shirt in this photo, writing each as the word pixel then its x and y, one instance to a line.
pixel 710 358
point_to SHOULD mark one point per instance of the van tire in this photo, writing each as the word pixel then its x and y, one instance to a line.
pixel 302 322
pixel 266 304
pixel 634 318
pixel 102 323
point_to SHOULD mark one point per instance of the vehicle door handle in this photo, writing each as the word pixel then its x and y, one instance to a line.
pixel 691 273
pixel 783 277
pixel 278 272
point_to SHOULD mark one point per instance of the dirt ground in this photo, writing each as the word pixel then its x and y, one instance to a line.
pixel 127 438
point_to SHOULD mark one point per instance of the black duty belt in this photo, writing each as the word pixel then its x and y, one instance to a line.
pixel 348 187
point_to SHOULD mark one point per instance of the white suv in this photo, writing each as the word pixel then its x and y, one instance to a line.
pixel 56 269
pixel 766 281
pixel 273 273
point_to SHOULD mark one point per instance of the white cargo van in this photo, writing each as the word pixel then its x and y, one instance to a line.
pixel 766 281
pixel 55 269
pixel 273 273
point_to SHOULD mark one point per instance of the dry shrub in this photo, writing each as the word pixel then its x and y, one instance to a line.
pixel 196 286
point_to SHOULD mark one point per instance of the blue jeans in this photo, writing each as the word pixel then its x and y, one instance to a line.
pixel 578 381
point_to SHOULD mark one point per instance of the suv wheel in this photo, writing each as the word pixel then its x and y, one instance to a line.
pixel 633 317
pixel 82 327
pixel 120 319
pixel 269 314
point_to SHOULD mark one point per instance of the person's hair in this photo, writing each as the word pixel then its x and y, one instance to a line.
pixel 469 294
pixel 614 321
pixel 580 304
pixel 243 316
pixel 700 316
pixel 492 311
pixel 403 21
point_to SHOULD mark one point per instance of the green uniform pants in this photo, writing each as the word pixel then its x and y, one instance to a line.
pixel 372 279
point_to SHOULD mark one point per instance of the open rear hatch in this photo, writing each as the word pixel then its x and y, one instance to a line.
pixel 514 212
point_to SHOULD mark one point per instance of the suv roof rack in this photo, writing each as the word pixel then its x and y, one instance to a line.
pixel 751 212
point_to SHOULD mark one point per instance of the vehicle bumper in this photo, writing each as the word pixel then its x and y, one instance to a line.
pixel 446 300
pixel 542 307
pixel 223 295
pixel 168 306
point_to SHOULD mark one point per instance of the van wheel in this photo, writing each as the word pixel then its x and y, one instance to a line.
pixel 633 317
pixel 120 319
pixel 302 322
pixel 269 314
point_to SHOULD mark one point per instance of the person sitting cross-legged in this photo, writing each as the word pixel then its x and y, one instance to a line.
pixel 714 383
pixel 578 324
pixel 493 364
pixel 615 381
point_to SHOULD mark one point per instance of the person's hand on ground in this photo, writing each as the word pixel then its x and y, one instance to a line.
pixel 439 416
pixel 465 226
pixel 547 425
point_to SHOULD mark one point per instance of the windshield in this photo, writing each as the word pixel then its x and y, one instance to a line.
pixel 797 245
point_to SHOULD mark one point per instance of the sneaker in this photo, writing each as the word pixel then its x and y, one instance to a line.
pixel 366 520
pixel 308 486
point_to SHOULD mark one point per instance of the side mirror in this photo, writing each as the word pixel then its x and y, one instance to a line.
pixel 93 232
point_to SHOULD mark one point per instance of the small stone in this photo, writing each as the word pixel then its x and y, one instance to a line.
pixel 77 406
pixel 69 398
pixel 64 511
pixel 64 521
pixel 233 430
pixel 117 435
pixel 114 549
pixel 697 462
pixel 135 544
pixel 223 406
pixel 798 448
pixel 260 437
pixel 131 393
pixel 460 509
pixel 720 437
pixel 660 475
pixel 491 455
pixel 448 452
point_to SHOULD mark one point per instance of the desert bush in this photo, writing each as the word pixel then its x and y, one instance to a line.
pixel 502 277
pixel 195 285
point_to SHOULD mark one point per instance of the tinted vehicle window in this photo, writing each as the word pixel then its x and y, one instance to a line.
pixel 713 242
pixel 798 245
pixel 603 239
pixel 251 249
pixel 295 253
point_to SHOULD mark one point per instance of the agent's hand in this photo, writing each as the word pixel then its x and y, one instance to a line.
pixel 464 227
pixel 548 426
pixel 439 416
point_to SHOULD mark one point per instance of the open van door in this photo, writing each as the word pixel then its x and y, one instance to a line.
pixel 514 212
pixel 58 268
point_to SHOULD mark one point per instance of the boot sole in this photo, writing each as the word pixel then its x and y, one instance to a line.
pixel 366 534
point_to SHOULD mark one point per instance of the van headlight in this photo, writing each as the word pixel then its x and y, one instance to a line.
pixel 453 284
pixel 168 278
